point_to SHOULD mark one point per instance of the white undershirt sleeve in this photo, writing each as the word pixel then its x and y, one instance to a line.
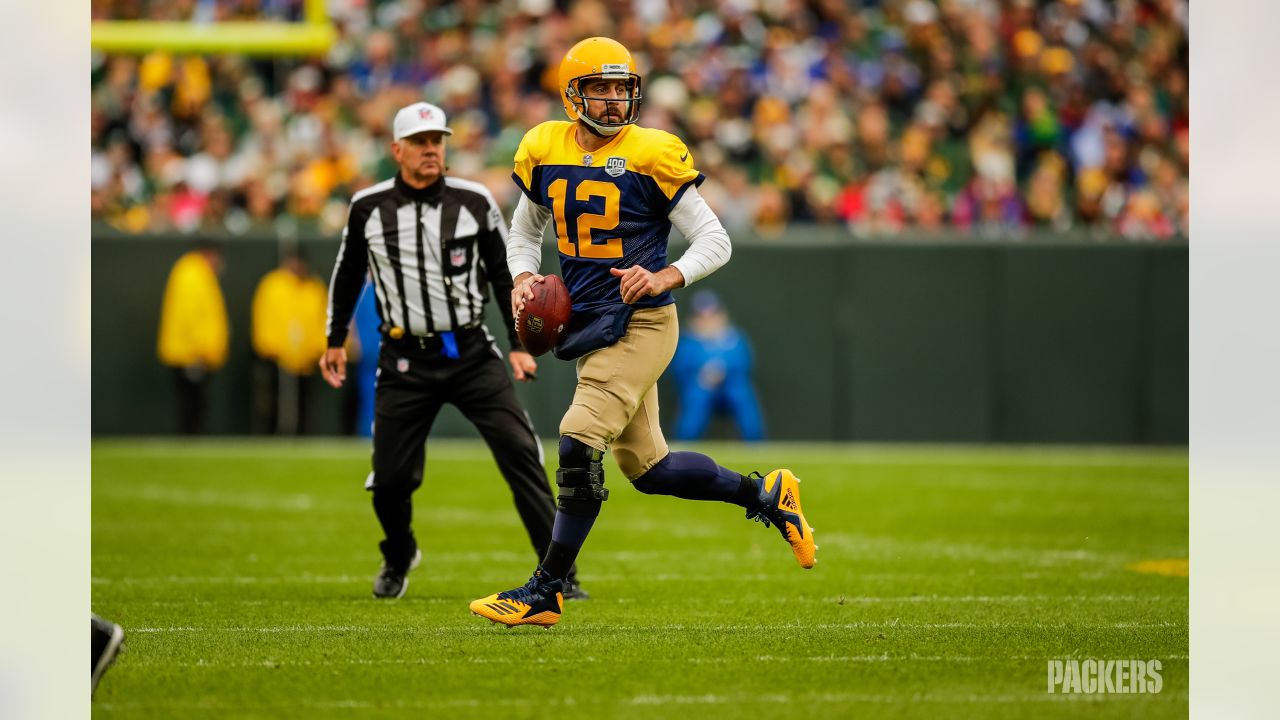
pixel 709 245
pixel 524 242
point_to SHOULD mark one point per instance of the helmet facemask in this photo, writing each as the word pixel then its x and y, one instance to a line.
pixel 630 101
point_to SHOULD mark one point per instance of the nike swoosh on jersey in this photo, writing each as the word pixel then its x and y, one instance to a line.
pixel 684 157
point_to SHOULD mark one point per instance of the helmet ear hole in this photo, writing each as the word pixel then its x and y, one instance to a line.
pixel 574 94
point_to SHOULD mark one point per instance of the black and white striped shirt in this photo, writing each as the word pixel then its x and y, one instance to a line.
pixel 432 254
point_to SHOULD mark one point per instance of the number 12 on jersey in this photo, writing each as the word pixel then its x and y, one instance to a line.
pixel 581 245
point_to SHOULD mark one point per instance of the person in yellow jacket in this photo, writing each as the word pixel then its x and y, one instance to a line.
pixel 289 308
pixel 193 332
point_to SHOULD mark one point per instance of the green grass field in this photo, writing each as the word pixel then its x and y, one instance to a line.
pixel 946 578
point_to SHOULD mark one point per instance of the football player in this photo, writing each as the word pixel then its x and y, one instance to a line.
pixel 612 191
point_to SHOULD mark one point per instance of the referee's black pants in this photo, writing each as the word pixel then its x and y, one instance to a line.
pixel 416 379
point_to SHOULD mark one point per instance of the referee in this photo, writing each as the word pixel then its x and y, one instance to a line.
pixel 433 246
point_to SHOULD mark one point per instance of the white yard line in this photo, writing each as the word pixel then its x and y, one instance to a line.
pixel 651 700
pixel 855 453
pixel 272 662
pixel 877 698
pixel 207 497
pixel 799 599
pixel 683 627
pixel 993 599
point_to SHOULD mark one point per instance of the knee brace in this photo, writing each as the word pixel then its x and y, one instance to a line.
pixel 581 478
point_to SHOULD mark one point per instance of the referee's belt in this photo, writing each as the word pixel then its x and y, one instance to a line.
pixel 399 334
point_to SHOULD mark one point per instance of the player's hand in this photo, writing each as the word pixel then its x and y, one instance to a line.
pixel 523 367
pixel 637 282
pixel 522 291
pixel 333 366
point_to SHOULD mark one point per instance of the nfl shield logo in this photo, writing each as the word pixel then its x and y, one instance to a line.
pixel 587 159
pixel 616 166
pixel 402 365
pixel 458 257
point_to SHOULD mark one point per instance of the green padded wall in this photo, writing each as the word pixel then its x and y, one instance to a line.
pixel 943 341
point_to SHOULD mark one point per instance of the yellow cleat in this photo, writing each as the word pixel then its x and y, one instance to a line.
pixel 538 602
pixel 780 506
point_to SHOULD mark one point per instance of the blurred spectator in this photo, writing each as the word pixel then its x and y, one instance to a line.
pixel 884 115
pixel 193 332
pixel 289 307
pixel 1046 193
pixel 712 368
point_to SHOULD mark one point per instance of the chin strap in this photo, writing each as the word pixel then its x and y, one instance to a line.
pixel 597 129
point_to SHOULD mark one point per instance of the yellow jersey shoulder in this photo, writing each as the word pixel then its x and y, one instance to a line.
pixel 649 147
pixel 660 155
pixel 539 143
pixel 542 140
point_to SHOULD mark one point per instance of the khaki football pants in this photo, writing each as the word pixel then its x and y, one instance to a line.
pixel 616 401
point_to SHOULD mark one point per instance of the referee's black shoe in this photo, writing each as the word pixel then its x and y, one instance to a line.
pixel 107 638
pixel 393 582
pixel 573 591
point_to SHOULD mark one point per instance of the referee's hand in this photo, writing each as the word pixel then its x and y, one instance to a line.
pixel 523 366
pixel 333 366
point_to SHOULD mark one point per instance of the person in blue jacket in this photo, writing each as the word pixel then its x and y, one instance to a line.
pixel 366 370
pixel 712 368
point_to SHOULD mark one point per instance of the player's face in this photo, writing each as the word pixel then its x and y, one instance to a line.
pixel 420 156
pixel 613 107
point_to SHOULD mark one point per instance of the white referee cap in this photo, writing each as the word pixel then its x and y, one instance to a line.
pixel 419 117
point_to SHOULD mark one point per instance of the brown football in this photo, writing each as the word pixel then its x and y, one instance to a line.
pixel 544 317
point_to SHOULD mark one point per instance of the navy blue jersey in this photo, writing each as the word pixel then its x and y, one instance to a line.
pixel 609 207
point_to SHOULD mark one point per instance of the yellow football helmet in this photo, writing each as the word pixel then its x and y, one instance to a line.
pixel 604 58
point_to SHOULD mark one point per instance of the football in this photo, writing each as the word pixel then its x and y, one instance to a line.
pixel 545 317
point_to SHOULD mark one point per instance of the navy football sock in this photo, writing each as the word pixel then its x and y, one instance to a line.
pixel 559 560
pixel 567 536
pixel 693 476
pixel 748 495
pixel 570 529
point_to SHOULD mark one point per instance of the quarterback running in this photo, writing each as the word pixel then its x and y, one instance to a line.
pixel 613 190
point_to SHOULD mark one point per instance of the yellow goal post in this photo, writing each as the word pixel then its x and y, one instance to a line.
pixel 313 36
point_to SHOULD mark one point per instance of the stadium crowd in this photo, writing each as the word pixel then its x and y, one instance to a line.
pixel 886 116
